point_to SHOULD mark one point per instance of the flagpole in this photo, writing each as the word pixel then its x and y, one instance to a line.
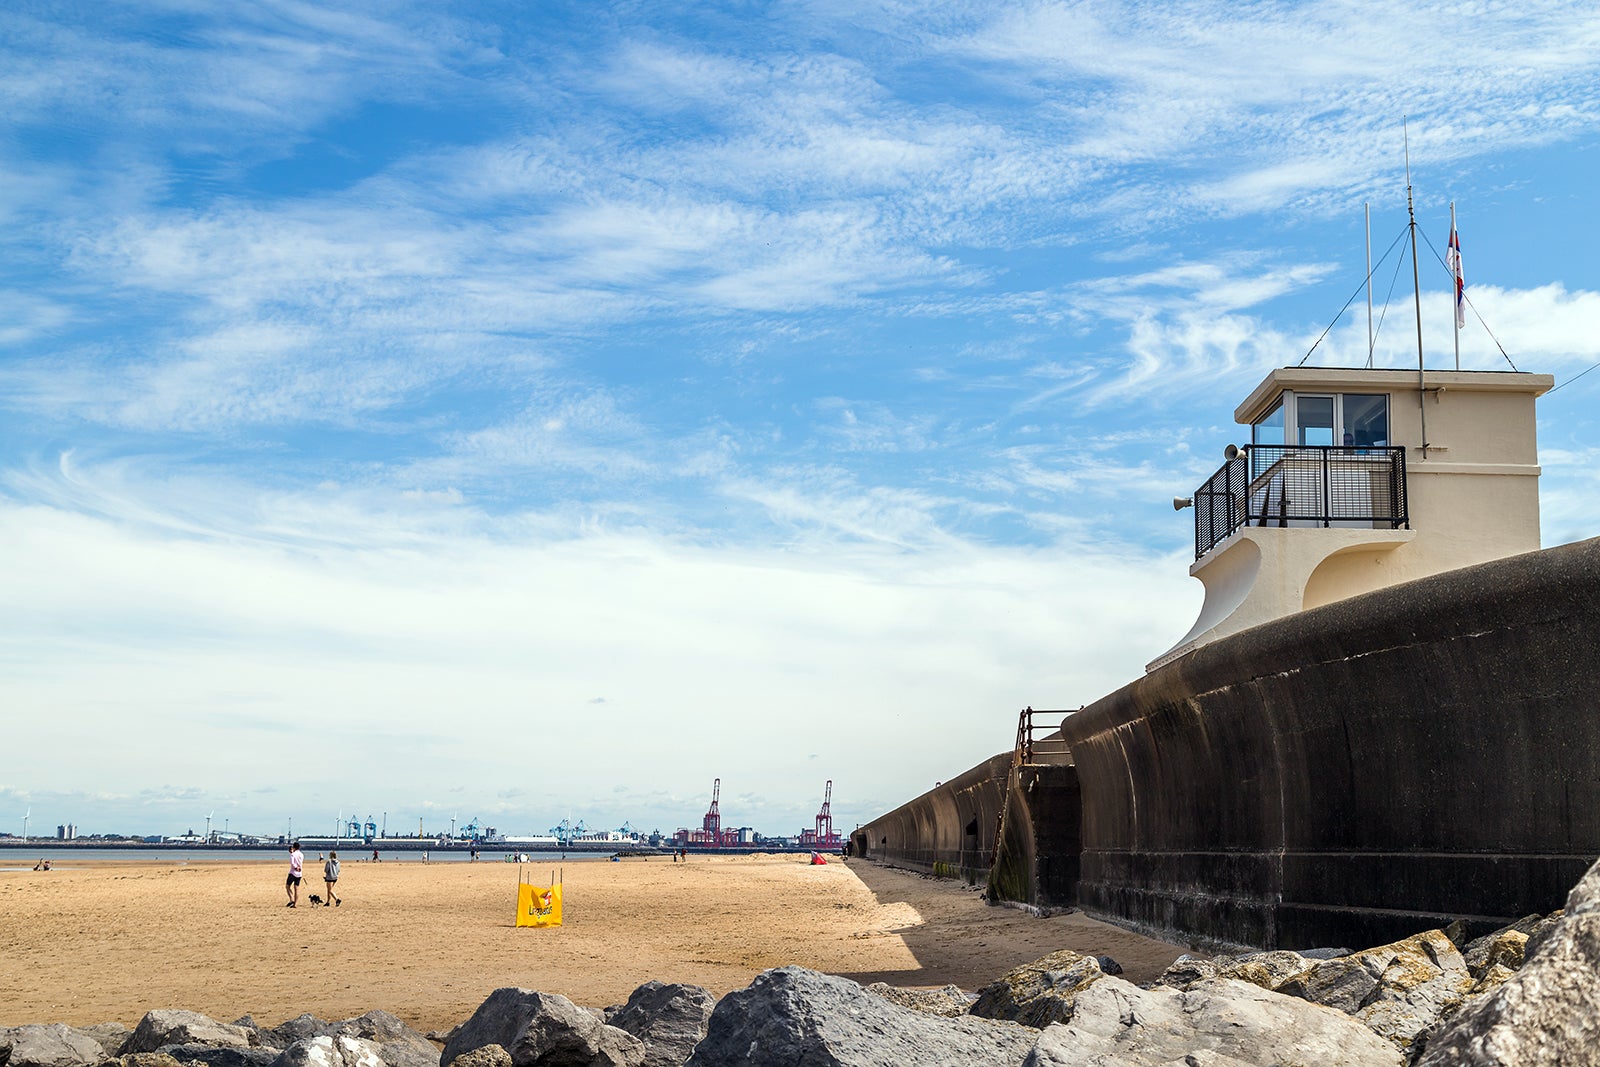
pixel 1416 292
pixel 1455 282
pixel 1367 207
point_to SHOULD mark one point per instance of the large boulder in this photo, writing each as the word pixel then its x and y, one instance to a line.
pixel 948 1001
pixel 1186 970
pixel 1265 969
pixel 221 1056
pixel 398 1044
pixel 112 1036
pixel 669 1019
pixel 1039 993
pixel 792 1016
pixel 544 1029
pixel 1216 1021
pixel 302 1027
pixel 49 1045
pixel 145 1059
pixel 485 1056
pixel 175 1027
pixel 1506 946
pixel 1546 1014
pixel 1400 991
pixel 331 1051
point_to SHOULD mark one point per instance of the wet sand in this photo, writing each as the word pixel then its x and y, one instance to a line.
pixel 105 942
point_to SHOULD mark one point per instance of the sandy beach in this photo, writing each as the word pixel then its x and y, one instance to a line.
pixel 108 941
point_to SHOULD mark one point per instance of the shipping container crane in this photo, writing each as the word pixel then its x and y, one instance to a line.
pixel 826 838
pixel 711 825
pixel 822 836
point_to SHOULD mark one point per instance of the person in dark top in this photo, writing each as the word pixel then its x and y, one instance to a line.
pixel 330 875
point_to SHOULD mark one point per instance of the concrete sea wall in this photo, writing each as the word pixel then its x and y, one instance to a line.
pixel 1358 772
pixel 950 831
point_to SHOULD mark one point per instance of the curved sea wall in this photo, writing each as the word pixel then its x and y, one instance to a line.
pixel 1358 772
pixel 949 830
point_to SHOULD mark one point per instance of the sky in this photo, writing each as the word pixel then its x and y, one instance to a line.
pixel 516 412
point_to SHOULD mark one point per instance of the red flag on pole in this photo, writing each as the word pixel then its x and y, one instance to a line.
pixel 1453 261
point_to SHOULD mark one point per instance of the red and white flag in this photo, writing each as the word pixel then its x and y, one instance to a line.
pixel 1453 261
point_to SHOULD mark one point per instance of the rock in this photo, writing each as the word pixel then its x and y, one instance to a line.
pixel 1185 971
pixel 669 1019
pixel 1539 933
pixel 1493 978
pixel 146 1059
pixel 302 1027
pixel 793 1016
pixel 111 1036
pixel 1265 969
pixel 1504 948
pixel 1546 1014
pixel 174 1027
pixel 950 1001
pixel 484 1056
pixel 398 1044
pixel 545 1029
pixel 1108 965
pixel 1329 953
pixel 331 1051
pixel 1039 993
pixel 50 1045
pixel 213 1056
pixel 1216 1021
pixel 1401 991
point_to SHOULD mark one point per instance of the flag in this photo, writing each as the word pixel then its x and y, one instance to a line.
pixel 538 906
pixel 1453 261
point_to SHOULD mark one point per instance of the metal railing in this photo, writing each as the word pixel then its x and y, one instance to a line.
pixel 1037 742
pixel 1302 485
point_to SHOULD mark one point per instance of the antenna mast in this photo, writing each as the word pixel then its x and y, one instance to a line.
pixel 1367 207
pixel 1416 292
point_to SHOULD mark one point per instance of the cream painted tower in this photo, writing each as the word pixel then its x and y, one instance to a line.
pixel 1357 479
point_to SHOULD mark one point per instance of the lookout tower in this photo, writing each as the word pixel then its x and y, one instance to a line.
pixel 1353 480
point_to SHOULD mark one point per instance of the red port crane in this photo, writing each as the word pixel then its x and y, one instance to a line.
pixel 711 825
pixel 822 836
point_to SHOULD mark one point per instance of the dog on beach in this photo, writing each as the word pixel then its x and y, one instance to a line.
pixel 315 899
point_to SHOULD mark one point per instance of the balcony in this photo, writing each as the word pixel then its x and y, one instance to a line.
pixel 1302 486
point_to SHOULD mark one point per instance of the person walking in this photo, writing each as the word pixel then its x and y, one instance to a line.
pixel 297 866
pixel 330 875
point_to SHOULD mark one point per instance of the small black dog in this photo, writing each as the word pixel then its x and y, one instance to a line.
pixel 315 899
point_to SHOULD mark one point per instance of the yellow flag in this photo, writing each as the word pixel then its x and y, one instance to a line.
pixel 538 906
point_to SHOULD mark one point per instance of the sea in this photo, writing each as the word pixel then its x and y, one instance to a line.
pixel 17 858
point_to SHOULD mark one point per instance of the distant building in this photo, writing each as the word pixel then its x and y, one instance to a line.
pixel 67 832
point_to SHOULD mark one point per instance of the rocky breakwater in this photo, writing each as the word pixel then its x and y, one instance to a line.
pixel 1524 996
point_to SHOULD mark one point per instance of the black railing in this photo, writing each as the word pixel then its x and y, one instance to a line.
pixel 1302 485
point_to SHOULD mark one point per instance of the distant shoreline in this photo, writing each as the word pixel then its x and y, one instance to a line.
pixel 355 847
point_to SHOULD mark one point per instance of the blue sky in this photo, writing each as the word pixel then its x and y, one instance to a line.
pixel 524 411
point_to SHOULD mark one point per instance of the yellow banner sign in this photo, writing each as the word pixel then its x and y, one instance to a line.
pixel 538 905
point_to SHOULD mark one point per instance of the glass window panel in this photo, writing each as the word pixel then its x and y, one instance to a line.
pixel 1366 420
pixel 1268 430
pixel 1314 420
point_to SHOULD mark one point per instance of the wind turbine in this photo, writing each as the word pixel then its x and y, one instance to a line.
pixel 208 825
pixel 25 819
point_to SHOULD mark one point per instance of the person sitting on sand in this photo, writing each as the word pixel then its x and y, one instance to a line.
pixel 297 863
pixel 330 875
pixel 40 865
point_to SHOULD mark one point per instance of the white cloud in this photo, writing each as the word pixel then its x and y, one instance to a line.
pixel 490 650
